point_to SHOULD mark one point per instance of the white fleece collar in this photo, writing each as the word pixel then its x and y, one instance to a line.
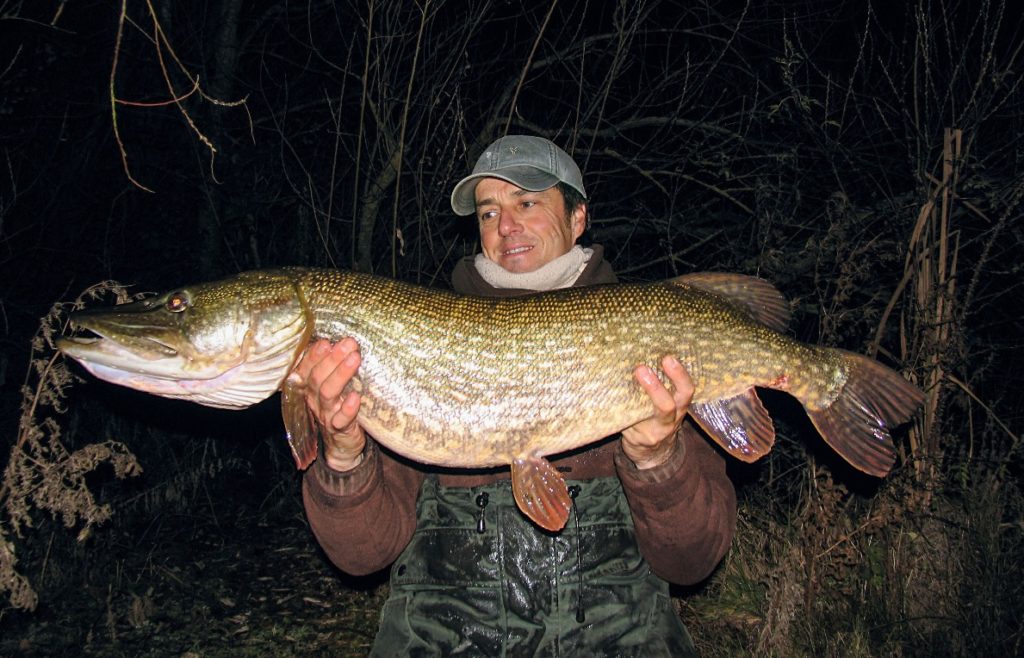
pixel 562 272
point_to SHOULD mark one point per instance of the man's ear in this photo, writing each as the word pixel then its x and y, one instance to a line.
pixel 579 221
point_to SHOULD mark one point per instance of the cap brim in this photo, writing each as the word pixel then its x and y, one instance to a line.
pixel 524 176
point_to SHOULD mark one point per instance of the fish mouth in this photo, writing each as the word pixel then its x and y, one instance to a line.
pixel 93 343
pixel 129 348
pixel 119 345
pixel 149 362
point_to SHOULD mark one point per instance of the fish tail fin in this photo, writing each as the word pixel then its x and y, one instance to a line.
pixel 873 400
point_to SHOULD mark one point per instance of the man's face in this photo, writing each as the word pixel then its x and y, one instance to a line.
pixel 522 230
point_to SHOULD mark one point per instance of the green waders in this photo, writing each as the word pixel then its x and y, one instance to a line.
pixel 479 579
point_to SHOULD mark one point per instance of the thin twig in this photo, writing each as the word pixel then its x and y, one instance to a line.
pixel 113 98
pixel 401 136
pixel 527 65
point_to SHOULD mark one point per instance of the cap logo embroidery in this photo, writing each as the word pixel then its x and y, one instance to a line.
pixel 513 149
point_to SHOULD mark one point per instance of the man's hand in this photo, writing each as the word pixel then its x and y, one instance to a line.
pixel 326 370
pixel 650 442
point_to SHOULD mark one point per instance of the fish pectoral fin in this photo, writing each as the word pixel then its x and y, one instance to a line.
pixel 300 428
pixel 739 424
pixel 540 492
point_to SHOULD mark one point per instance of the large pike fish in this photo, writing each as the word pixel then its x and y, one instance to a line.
pixel 469 382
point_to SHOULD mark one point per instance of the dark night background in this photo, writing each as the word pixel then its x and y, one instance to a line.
pixel 865 157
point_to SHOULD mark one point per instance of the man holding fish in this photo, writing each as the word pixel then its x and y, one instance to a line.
pixel 533 361
pixel 472 575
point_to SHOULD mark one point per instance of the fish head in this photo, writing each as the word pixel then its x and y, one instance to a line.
pixel 225 344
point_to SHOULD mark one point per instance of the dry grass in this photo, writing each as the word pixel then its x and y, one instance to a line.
pixel 42 474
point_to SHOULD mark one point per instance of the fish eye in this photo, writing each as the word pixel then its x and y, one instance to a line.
pixel 177 302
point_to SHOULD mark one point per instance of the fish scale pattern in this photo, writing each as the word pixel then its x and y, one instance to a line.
pixel 468 381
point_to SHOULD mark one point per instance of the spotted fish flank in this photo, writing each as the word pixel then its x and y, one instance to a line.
pixel 471 382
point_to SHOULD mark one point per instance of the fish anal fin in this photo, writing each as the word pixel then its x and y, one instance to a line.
pixel 739 424
pixel 760 299
pixel 300 428
pixel 540 492
pixel 858 423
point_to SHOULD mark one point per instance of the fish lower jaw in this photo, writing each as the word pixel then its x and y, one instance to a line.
pixel 96 349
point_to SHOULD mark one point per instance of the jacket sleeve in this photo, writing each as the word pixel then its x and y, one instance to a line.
pixel 365 517
pixel 684 510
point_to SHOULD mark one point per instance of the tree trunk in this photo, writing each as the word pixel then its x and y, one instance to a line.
pixel 222 69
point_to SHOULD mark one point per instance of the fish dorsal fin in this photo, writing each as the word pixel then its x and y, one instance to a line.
pixel 300 428
pixel 756 296
pixel 739 424
pixel 540 492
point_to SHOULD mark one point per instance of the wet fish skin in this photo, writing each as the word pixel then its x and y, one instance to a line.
pixel 470 382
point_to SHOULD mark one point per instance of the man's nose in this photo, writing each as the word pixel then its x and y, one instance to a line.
pixel 508 224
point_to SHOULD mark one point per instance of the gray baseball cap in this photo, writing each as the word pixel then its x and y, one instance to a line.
pixel 532 163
